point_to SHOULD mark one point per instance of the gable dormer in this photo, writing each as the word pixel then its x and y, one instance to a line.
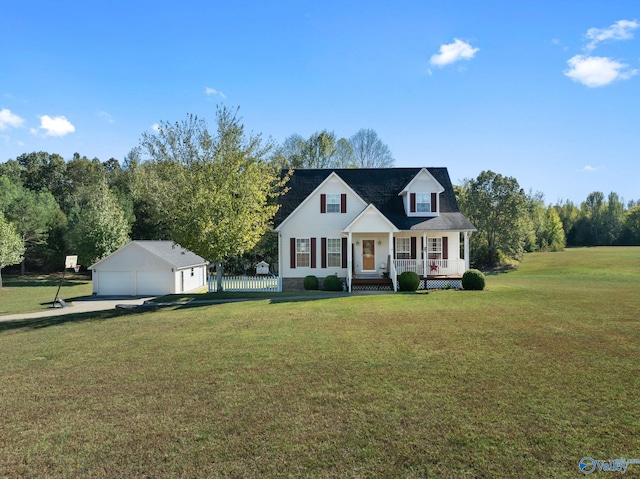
pixel 421 196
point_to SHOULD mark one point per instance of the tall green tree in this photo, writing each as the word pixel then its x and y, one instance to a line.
pixel 35 214
pixel 613 221
pixel 215 190
pixel 42 171
pixel 98 226
pixel 631 230
pixel 593 211
pixel 554 238
pixel 321 150
pixel 569 215
pixel 535 222
pixel 496 205
pixel 11 245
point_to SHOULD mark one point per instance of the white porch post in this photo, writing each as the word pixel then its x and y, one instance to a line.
pixel 349 260
pixel 466 250
pixel 424 255
pixel 280 260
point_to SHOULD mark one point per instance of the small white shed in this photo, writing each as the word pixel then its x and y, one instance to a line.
pixel 152 268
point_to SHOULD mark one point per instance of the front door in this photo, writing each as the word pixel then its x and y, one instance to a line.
pixel 368 255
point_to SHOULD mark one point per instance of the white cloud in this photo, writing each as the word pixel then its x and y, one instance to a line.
pixel 212 91
pixel 9 120
pixel 621 30
pixel 155 127
pixel 56 126
pixel 589 169
pixel 453 52
pixel 597 71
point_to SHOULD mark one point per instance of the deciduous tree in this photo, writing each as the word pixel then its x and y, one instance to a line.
pixel 97 227
pixel 369 151
pixel 214 190
pixel 34 214
pixel 320 150
pixel 11 245
pixel 497 206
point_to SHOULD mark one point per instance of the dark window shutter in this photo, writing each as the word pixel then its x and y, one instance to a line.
pixel 413 247
pixel 313 252
pixel 292 252
pixel 395 253
pixel 344 252
pixel 343 203
pixel 445 247
pixel 412 201
pixel 434 199
pixel 323 203
pixel 323 252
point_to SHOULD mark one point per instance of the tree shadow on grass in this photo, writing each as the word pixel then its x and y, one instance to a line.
pixel 499 270
pixel 56 320
pixel 10 281
pixel 39 323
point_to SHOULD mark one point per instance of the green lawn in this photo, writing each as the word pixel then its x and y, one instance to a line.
pixel 35 292
pixel 520 380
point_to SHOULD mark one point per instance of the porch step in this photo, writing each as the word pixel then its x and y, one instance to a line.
pixel 371 284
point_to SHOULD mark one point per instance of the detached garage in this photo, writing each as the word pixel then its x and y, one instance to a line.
pixel 148 268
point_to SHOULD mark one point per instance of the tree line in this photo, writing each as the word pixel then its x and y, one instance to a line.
pixel 215 190
pixel 511 222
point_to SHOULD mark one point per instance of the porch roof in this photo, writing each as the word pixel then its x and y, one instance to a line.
pixel 443 222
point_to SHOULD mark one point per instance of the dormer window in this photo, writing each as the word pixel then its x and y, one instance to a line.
pixel 423 203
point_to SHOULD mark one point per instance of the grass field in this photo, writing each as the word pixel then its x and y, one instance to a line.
pixel 520 380
pixel 33 292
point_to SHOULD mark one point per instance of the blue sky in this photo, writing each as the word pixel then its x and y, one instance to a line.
pixel 545 91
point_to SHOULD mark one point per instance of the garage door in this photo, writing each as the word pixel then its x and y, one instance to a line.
pixel 114 283
pixel 153 283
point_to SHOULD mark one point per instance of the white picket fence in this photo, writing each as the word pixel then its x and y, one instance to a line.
pixel 254 284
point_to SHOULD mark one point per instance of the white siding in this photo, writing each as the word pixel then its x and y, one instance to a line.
pixel 423 183
pixel 308 222
pixel 198 280
pixel 134 271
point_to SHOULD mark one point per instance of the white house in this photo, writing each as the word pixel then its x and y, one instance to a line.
pixel 367 226
pixel 152 268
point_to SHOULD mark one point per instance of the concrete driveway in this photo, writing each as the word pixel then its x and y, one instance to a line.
pixel 80 305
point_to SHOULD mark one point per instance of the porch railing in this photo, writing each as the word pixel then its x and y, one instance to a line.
pixel 257 284
pixel 430 267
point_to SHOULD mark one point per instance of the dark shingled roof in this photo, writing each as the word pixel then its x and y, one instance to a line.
pixel 380 187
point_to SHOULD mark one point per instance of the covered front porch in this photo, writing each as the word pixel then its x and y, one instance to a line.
pixel 434 257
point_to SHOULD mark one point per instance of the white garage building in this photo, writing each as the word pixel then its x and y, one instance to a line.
pixel 152 268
